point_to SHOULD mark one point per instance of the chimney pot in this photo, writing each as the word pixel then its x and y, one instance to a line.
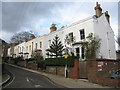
pixel 32 36
pixel 96 3
pixel 107 16
pixel 53 28
pixel 98 10
pixel 20 40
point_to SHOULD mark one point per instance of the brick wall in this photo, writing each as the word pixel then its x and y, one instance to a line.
pixel 12 62
pixel 51 69
pixel 71 72
pixel 99 70
pixel 91 69
pixel 106 81
pixel 21 63
pixel 60 70
pixel 32 66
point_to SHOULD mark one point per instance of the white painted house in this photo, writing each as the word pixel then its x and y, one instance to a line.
pixel 98 24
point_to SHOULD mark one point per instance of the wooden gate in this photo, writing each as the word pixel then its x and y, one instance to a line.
pixel 82 69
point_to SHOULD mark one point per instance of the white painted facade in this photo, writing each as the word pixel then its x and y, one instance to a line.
pixel 8 53
pixel 103 29
pixel 98 26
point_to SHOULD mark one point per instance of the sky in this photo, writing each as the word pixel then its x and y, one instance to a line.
pixel 38 16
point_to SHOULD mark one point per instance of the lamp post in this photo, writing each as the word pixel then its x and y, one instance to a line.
pixel 66 56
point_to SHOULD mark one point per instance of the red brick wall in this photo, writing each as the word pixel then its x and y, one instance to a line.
pixel 106 81
pixel 101 77
pixel 91 69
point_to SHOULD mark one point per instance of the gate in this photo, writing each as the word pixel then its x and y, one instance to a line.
pixel 83 69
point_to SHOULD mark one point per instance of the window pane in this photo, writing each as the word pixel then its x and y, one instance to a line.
pixel 40 44
pixel 30 48
pixel 71 36
pixel 36 45
pixel 82 34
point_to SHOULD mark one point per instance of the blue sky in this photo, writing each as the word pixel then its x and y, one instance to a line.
pixel 38 16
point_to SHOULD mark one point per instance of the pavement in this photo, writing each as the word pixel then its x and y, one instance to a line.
pixel 5 79
pixel 67 82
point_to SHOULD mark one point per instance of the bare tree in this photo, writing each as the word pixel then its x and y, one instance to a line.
pixel 16 37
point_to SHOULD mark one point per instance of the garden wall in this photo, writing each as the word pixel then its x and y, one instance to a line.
pixel 99 71
pixel 21 63
pixel 60 70
pixel 32 66
pixel 106 81
pixel 12 62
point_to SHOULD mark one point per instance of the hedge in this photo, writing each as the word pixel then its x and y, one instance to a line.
pixel 5 58
pixel 61 61
pixel 30 59
pixel 17 59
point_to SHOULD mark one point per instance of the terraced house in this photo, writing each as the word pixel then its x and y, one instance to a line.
pixel 98 24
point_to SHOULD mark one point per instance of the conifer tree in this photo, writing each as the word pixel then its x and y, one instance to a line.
pixel 56 48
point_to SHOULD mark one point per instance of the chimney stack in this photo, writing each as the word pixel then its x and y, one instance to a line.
pixel 107 16
pixel 20 41
pixel 53 28
pixel 98 10
pixel 32 36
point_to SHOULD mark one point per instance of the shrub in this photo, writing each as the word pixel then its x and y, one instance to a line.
pixel 17 59
pixel 5 59
pixel 30 60
pixel 91 45
pixel 42 65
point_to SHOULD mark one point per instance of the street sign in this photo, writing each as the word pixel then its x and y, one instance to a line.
pixel 100 64
pixel 66 56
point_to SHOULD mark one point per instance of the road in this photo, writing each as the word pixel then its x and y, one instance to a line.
pixel 26 79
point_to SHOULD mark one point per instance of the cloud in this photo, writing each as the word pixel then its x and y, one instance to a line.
pixel 38 16
pixel 115 29
pixel 114 26
pixel 72 12
pixel 17 15
pixel 26 16
pixel 6 36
